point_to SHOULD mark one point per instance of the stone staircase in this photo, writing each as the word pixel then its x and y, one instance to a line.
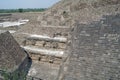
pixel 48 47
pixel 45 48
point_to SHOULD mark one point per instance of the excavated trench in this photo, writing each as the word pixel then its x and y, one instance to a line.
pixel 48 51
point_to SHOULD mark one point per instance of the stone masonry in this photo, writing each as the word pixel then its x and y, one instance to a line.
pixel 95 51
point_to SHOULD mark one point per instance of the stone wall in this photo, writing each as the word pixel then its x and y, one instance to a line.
pixel 13 60
pixel 23 69
pixel 95 51
pixel 20 73
pixel 46 44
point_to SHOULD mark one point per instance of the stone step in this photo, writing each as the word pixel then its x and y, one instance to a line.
pixel 45 44
pixel 49 30
pixel 51 26
pixel 11 31
pixel 40 51
pixel 48 59
pixel 47 38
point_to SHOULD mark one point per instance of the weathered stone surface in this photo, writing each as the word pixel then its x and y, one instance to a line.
pixel 43 71
pixel 95 57
pixel 11 54
pixel 14 62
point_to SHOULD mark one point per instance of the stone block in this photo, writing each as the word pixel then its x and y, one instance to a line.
pixel 61 45
pixel 40 43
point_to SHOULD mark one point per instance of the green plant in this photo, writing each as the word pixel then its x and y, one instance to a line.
pixel 5 75
pixel 20 10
